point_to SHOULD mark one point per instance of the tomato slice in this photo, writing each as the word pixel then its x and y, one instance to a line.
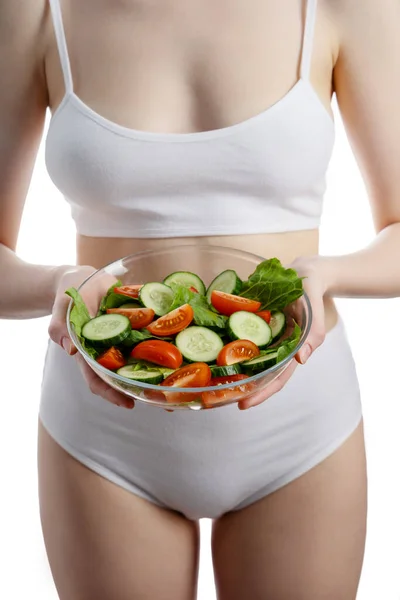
pixel 111 359
pixel 227 379
pixel 193 375
pixel 265 314
pixel 157 396
pixel 215 397
pixel 128 290
pixel 236 352
pixel 158 352
pixel 139 317
pixel 172 322
pixel 193 289
pixel 227 304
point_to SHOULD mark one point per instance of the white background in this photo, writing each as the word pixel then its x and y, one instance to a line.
pixel 47 237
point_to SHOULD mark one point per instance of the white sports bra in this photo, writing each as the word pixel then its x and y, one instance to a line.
pixel 263 175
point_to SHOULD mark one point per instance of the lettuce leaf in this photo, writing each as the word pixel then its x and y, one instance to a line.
pixel 93 353
pixel 182 295
pixel 111 299
pixel 273 285
pixel 79 317
pixel 289 344
pixel 79 314
pixel 203 315
pixel 144 365
pixel 135 336
pixel 140 335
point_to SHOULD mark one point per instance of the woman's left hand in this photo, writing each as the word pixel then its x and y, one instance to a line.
pixel 315 287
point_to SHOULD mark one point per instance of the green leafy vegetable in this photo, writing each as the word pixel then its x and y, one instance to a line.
pixel 203 315
pixel 93 353
pixel 111 299
pixel 289 344
pixel 79 317
pixel 135 336
pixel 273 285
pixel 140 335
pixel 144 365
pixel 182 295
pixel 79 314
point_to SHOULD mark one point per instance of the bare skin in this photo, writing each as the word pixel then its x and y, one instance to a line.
pixel 105 543
pixel 201 58
pixel 284 547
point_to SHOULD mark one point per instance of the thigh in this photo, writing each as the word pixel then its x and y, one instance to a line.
pixel 105 543
pixel 302 542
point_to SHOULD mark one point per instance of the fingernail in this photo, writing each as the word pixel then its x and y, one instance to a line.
pixel 305 353
pixel 66 344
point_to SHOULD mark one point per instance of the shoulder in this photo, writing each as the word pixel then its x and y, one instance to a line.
pixel 366 32
pixel 353 16
pixel 24 24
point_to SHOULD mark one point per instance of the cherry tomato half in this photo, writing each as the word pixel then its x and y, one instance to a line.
pixel 193 375
pixel 227 304
pixel 139 317
pixel 172 322
pixel 227 379
pixel 236 352
pixel 128 290
pixel 265 314
pixel 158 352
pixel 215 397
pixel 111 359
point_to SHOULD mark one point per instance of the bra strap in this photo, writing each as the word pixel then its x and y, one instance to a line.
pixel 62 44
pixel 308 39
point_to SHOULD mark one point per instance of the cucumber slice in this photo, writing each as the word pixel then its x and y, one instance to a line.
pixel 277 323
pixel 227 281
pixel 199 344
pixel 243 325
pixel 107 330
pixel 131 305
pixel 261 363
pixel 154 377
pixel 186 279
pixel 226 371
pixel 157 296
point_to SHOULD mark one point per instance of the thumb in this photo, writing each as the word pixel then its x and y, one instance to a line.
pixel 58 331
pixel 317 331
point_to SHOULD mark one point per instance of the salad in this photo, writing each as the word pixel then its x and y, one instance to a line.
pixel 179 333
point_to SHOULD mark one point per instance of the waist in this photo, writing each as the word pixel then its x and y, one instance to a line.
pixel 98 251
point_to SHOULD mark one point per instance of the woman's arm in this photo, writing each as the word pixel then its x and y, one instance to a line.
pixel 367 84
pixel 26 290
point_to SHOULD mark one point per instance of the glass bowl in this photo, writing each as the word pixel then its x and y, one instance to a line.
pixel 154 265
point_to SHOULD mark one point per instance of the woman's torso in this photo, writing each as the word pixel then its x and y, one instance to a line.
pixel 179 67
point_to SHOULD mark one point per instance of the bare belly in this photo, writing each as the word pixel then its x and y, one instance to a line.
pixel 98 252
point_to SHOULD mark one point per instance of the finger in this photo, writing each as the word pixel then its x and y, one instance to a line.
pixel 58 331
pixel 317 331
pixel 100 388
pixel 95 289
pixel 271 389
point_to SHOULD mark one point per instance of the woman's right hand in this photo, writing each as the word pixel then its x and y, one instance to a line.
pixel 58 332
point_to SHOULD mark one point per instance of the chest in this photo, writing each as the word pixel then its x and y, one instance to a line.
pixel 181 66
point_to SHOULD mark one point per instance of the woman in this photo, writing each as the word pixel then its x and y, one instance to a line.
pixel 284 482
